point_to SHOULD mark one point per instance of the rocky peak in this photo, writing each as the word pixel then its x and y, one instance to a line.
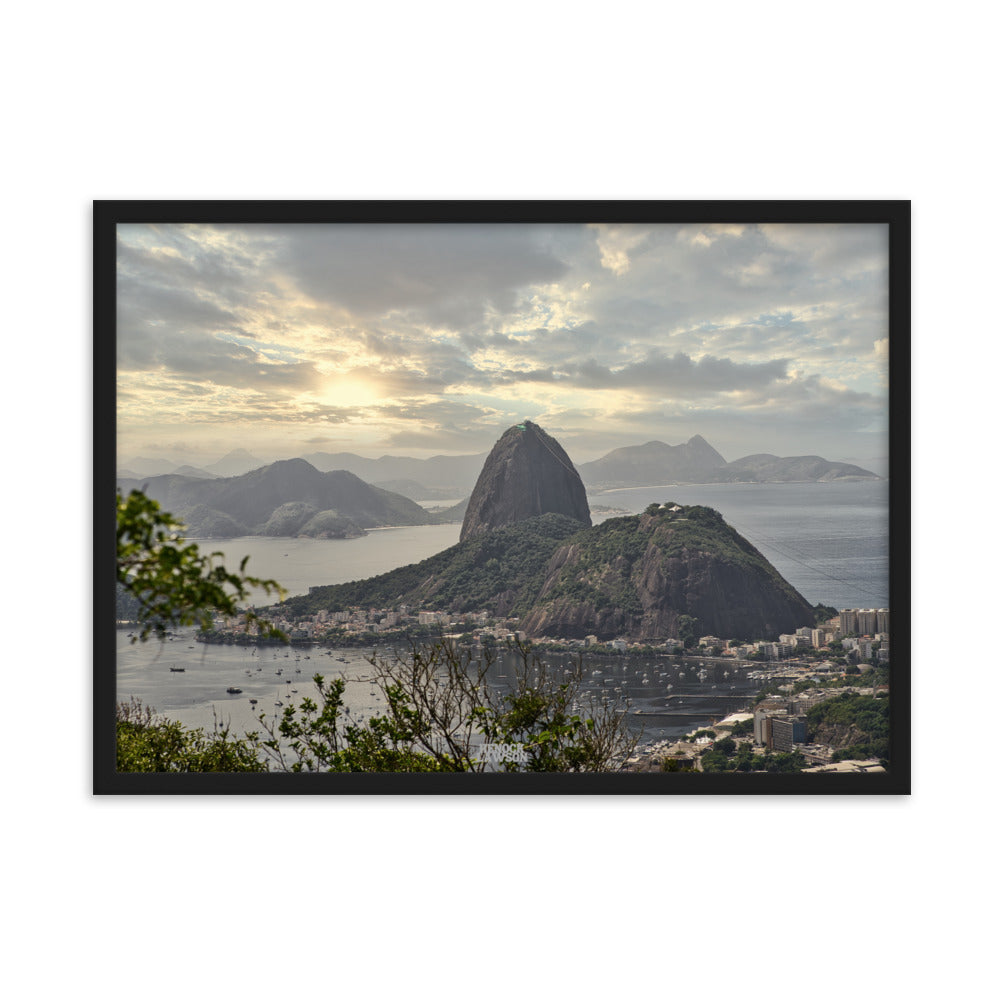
pixel 698 446
pixel 526 474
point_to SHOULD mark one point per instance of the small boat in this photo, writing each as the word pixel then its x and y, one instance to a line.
pixel 234 691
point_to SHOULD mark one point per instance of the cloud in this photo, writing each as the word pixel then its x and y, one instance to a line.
pixel 615 243
pixel 439 337
pixel 443 275
pixel 661 374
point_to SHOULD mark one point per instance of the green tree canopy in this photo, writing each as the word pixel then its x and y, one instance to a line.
pixel 150 743
pixel 172 582
pixel 440 707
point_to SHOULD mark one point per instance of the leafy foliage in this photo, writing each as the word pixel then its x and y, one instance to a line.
pixel 172 583
pixel 866 714
pixel 742 758
pixel 440 707
pixel 147 742
pixel 742 728
pixel 870 715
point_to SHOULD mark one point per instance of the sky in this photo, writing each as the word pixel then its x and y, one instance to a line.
pixel 433 339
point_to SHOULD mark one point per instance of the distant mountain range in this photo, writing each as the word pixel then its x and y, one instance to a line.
pixel 696 461
pixel 448 477
pixel 454 474
pixel 234 464
pixel 655 463
pixel 289 497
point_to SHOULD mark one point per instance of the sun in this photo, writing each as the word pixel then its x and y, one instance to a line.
pixel 348 390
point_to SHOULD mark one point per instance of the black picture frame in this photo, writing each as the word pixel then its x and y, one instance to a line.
pixel 107 215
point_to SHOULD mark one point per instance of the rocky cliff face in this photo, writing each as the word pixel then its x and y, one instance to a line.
pixel 643 577
pixel 525 475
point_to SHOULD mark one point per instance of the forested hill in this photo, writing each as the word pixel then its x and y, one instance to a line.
pixel 645 577
pixel 499 571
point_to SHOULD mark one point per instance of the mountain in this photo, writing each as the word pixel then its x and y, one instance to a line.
pixel 148 466
pixel 526 474
pixel 193 472
pixel 453 475
pixel 639 575
pixel 655 463
pixel 235 463
pixel 803 468
pixel 285 498
pixel 645 577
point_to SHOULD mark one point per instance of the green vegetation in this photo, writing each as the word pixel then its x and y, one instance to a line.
pixel 868 715
pixel 677 763
pixel 168 583
pixel 470 576
pixel 604 569
pixel 872 678
pixel 613 563
pixel 440 707
pixel 742 758
pixel 601 573
pixel 147 742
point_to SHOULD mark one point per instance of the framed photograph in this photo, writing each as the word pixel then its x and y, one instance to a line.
pixel 502 497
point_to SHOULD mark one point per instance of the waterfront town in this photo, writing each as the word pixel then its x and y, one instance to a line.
pixel 846 655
